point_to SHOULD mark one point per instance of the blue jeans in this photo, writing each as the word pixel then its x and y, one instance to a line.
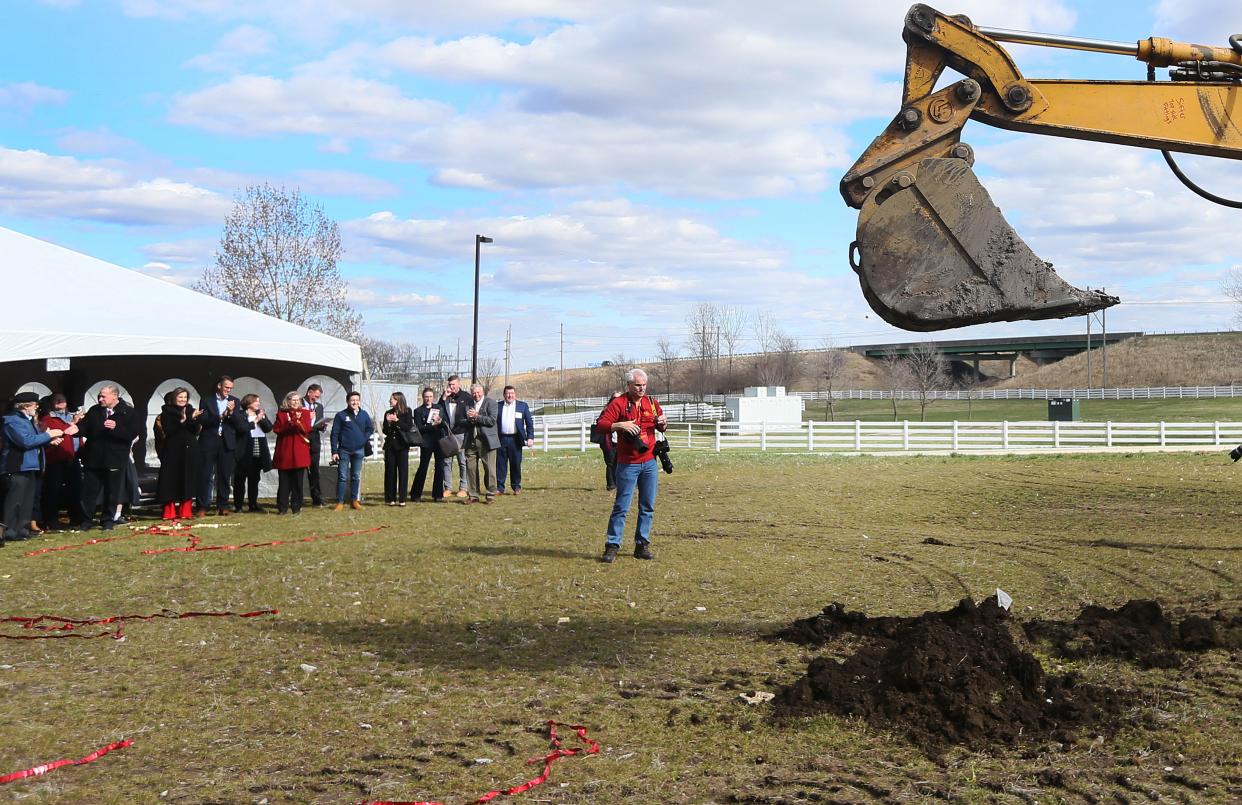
pixel 647 478
pixel 349 470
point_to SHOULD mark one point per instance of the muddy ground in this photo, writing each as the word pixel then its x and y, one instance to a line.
pixel 968 675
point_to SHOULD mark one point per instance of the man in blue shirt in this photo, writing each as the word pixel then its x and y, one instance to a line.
pixel 351 431
pixel 21 459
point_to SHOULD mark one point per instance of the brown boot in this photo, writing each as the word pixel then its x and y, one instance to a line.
pixel 355 504
pixel 340 507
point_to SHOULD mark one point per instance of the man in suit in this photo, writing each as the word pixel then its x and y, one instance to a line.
pixel 217 444
pixel 310 400
pixel 517 430
pixel 109 429
pixel 454 404
pixel 427 419
pixel 482 440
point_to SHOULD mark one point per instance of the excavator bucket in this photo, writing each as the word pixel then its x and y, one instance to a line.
pixel 934 252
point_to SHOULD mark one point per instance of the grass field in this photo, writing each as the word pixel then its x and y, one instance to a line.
pixel 438 642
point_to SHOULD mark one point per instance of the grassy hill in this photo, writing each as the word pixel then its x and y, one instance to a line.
pixel 1212 359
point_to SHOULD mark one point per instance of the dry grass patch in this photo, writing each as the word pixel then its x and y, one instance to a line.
pixel 438 642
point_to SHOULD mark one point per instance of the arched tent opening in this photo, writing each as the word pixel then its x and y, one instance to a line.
pixel 92 393
pixel 156 402
pixel 36 387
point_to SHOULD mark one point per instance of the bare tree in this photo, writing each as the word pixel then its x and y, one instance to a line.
pixel 701 343
pixel 895 374
pixel 407 360
pixel 278 255
pixel 489 370
pixel 829 367
pixel 778 361
pixel 730 323
pixel 927 371
pixel 620 365
pixel 1232 287
pixel 378 357
pixel 666 353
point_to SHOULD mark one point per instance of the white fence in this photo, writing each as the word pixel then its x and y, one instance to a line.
pixel 858 436
pixel 679 412
pixel 1153 393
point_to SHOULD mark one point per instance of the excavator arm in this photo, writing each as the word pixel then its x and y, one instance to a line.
pixel 932 250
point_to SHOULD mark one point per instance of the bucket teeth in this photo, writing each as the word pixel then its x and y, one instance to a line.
pixel 938 254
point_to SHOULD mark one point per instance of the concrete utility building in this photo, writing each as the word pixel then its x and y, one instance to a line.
pixel 72 323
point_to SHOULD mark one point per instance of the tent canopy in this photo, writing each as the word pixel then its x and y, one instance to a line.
pixel 116 311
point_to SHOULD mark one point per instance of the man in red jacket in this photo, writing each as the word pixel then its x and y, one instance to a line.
pixel 635 418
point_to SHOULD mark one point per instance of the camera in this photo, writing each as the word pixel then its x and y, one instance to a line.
pixel 661 452
pixel 1236 453
pixel 636 441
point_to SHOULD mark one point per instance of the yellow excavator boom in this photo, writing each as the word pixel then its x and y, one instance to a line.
pixel 932 250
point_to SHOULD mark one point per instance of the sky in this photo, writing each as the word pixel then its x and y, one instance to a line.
pixel 630 160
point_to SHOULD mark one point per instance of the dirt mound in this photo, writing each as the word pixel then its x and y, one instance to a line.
pixel 1138 631
pixel 953 677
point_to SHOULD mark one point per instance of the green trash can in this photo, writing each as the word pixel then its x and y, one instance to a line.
pixel 1063 409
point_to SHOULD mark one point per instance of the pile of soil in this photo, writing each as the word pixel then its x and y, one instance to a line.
pixel 946 678
pixel 1139 631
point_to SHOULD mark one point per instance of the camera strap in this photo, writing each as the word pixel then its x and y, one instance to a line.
pixel 653 406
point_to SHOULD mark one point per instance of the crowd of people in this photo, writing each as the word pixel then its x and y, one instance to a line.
pixel 213 455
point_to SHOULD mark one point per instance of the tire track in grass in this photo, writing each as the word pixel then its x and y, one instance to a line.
pixel 1103 567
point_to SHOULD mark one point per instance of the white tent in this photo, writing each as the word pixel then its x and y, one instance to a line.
pixel 113 311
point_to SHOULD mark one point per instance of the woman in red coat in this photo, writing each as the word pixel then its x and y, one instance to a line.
pixel 293 428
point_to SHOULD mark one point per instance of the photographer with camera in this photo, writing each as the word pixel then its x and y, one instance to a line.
pixel 635 418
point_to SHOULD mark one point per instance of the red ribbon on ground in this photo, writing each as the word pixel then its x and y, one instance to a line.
pixel 194 546
pixel 56 764
pixel 69 624
pixel 591 748
pixel 100 540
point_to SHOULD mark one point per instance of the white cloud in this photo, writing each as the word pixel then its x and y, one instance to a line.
pixel 190 252
pixel 1204 22
pixel 36 184
pixel 594 248
pixel 710 99
pixel 97 141
pixel 234 50
pixel 27 94
pixel 343 183
pixel 307 104
pixel 1114 217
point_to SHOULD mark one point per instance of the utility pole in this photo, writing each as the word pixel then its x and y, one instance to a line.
pixel 508 346
pixel 561 391
pixel 1088 350
pixel 1104 348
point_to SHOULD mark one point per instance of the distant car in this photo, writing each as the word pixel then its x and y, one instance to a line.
pixel 605 363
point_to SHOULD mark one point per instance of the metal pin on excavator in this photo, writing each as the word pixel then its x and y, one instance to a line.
pixel 932 250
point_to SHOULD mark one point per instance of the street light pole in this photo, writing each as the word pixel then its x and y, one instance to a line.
pixel 474 345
